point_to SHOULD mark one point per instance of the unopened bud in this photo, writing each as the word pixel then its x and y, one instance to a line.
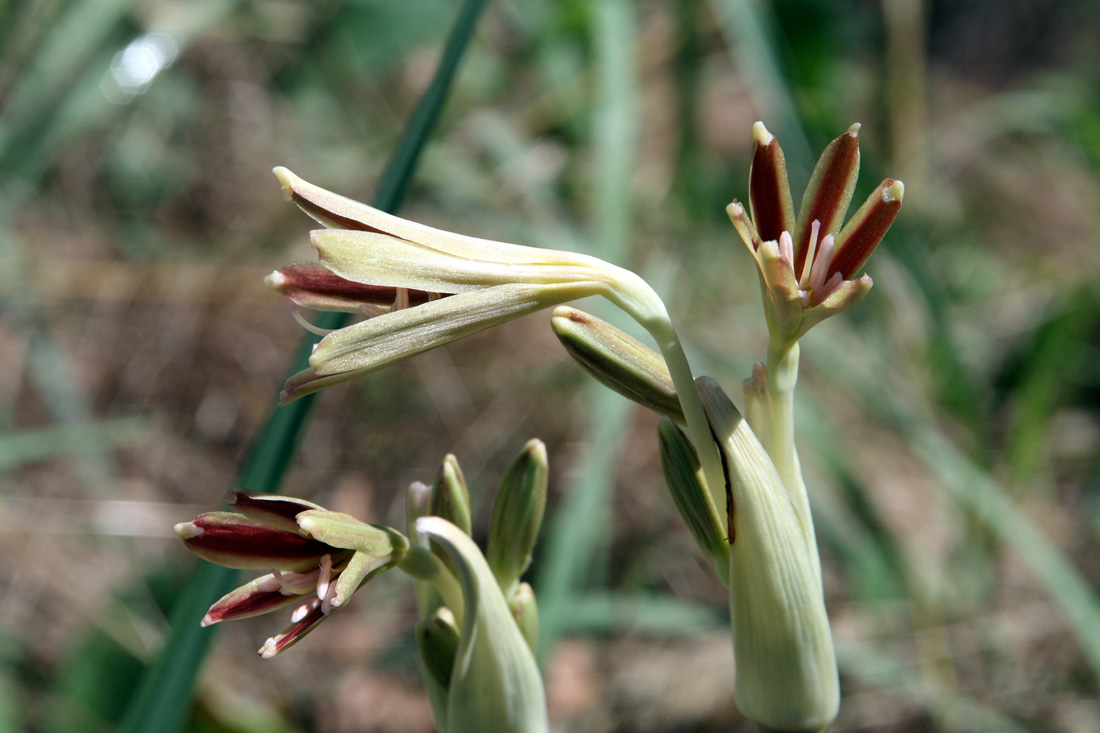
pixel 685 481
pixel 450 497
pixel 517 516
pixel 526 612
pixel 618 361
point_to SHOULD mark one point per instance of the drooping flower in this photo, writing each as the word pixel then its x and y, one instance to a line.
pixel 808 265
pixel 422 287
pixel 316 558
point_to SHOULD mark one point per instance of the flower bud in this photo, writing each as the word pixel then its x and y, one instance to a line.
pixel 495 683
pixel 782 646
pixel 618 361
pixel 684 478
pixel 526 612
pixel 517 516
pixel 437 641
pixel 450 497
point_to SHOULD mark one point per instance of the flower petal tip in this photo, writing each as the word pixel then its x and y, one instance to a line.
pixel 286 180
pixel 892 190
pixel 188 530
pixel 269 649
pixel 854 129
pixel 760 134
pixel 276 280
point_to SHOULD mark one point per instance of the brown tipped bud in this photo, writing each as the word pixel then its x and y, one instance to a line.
pixel 769 192
pixel 235 541
pixel 862 234
pixel 829 192
pixel 312 285
pixel 618 361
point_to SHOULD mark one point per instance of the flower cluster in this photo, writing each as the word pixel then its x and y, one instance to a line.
pixel 478 624
pixel 808 264
pixel 736 482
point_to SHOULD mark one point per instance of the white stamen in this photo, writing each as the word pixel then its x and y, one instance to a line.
pixel 370 310
pixel 324 577
pixel 830 287
pixel 326 602
pixel 306 324
pixel 822 263
pixel 295 584
pixel 304 610
pixel 401 300
pixel 786 248
pixel 811 251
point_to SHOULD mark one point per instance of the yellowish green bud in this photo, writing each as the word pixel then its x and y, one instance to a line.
pixel 437 643
pixel 450 497
pixel 517 516
pixel 685 481
pixel 618 361
pixel 495 683
pixel 758 404
pixel 526 612
pixel 783 649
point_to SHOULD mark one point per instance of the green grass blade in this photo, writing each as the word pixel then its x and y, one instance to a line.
pixel 28 446
pixel 576 545
pixel 162 700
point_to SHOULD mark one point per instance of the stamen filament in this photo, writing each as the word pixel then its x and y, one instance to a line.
pixel 306 324
pixel 804 280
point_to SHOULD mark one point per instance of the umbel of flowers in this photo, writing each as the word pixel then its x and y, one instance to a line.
pixel 478 622
pixel 735 480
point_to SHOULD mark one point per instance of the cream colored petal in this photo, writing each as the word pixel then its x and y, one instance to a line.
pixel 384 340
pixel 339 212
pixel 380 259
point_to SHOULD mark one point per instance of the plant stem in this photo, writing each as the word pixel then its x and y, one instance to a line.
pixel 782 378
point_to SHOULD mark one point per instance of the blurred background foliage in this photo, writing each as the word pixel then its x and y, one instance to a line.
pixel 949 425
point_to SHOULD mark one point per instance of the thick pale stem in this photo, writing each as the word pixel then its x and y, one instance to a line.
pixel 782 378
pixel 422 564
pixel 698 431
pixel 638 300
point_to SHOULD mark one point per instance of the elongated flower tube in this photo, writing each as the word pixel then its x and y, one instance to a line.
pixel 494 684
pixel 446 286
pixel 399 272
pixel 808 265
pixel 317 559
pixel 786 666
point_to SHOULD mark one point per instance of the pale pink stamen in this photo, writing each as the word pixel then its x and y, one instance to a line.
pixel 304 610
pixel 822 263
pixel 811 251
pixel 786 248
pixel 401 299
pixel 295 584
pixel 324 577
pixel 830 287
